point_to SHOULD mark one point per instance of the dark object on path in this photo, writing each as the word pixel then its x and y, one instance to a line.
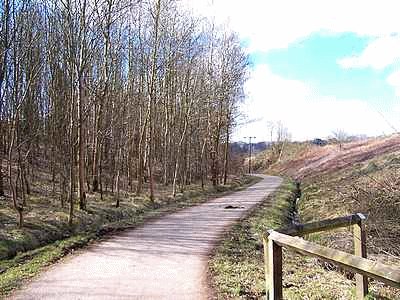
pixel 233 207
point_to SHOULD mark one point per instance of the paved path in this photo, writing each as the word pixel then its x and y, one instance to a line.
pixel 163 259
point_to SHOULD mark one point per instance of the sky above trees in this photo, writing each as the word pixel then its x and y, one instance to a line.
pixel 317 66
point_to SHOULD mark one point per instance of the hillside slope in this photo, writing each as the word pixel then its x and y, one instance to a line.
pixel 361 177
pixel 314 160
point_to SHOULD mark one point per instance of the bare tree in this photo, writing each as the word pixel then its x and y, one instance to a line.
pixel 340 136
pixel 4 51
pixel 110 95
pixel 280 137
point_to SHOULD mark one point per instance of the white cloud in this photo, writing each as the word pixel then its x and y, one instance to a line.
pixel 394 80
pixel 267 24
pixel 306 114
pixel 379 54
pixel 271 24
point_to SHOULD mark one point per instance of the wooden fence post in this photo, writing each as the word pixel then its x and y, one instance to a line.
pixel 265 244
pixel 274 271
pixel 360 249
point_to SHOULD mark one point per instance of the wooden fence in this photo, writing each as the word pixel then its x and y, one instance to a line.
pixel 357 263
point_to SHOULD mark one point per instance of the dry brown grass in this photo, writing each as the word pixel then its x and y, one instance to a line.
pixel 364 177
pixel 315 160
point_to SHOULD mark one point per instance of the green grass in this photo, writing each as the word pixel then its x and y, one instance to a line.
pixel 98 222
pixel 237 268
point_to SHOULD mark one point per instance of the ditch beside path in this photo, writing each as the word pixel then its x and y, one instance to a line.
pixel 163 259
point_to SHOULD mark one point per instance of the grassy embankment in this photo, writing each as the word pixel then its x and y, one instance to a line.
pixel 370 187
pixel 47 238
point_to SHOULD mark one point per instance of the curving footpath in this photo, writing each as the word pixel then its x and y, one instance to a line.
pixel 163 259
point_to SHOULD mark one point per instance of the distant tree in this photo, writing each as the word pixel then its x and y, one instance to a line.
pixel 340 137
pixel 271 128
pixel 280 136
pixel 283 136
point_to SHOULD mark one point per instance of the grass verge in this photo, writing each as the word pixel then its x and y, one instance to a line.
pixel 15 271
pixel 237 269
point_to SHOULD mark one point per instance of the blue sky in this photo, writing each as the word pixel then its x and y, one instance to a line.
pixel 317 66
pixel 315 60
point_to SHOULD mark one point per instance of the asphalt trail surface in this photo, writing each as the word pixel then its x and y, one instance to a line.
pixel 163 259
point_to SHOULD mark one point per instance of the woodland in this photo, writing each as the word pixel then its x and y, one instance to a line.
pixel 112 95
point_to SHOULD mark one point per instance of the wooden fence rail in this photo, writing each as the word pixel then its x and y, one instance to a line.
pixel 357 263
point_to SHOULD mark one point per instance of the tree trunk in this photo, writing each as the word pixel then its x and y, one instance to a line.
pixel 53 171
pixel 150 156
pixel 3 68
pixel 152 98
pixel 226 154
pixel 203 148
pixel 117 180
pixel 95 183
pixel 1 174
pixel 63 191
pixel 81 148
pixel 14 185
pixel 178 154
pixel 101 175
pixel 214 172
pixel 166 145
pixel 71 191
pixel 140 168
pixel 71 145
pixel 24 178
pixel 20 210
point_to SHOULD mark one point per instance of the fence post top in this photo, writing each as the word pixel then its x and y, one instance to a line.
pixel 361 216
pixel 267 233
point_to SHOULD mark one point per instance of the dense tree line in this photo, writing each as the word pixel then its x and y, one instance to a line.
pixel 112 94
